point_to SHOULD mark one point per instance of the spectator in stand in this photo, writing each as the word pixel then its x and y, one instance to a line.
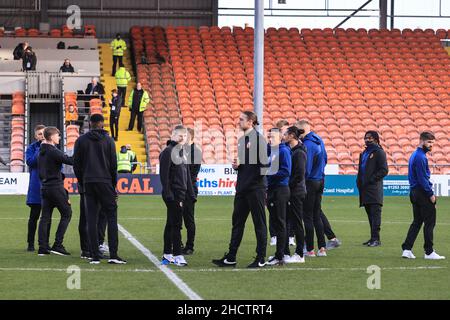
pixel 29 60
pixel 19 50
pixel 67 66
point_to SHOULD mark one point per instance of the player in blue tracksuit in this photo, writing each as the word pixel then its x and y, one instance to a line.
pixel 316 159
pixel 278 192
pixel 34 186
pixel 422 198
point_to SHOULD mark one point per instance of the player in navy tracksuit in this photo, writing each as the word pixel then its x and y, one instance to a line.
pixel 315 175
pixel 422 198
pixel 278 192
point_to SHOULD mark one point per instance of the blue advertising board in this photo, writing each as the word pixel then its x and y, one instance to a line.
pixel 335 185
pixel 345 185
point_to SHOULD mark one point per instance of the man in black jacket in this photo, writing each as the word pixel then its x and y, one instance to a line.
pixel 54 195
pixel 371 171
pixel 194 157
pixel 251 165
pixel 95 88
pixel 19 50
pixel 297 187
pixel 96 170
pixel 29 60
pixel 176 188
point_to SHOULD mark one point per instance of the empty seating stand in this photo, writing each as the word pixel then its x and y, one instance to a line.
pixel 64 32
pixel 344 81
pixel 17 132
pixel 157 78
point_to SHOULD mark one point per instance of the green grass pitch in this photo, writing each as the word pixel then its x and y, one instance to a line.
pixel 341 275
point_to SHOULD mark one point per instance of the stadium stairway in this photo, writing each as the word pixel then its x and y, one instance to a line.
pixel 134 138
pixel 158 78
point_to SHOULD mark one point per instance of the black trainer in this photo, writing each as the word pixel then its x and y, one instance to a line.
pixel 60 250
pixel 85 255
pixel 226 261
pixel 187 251
pixel 94 261
pixel 30 248
pixel 374 243
pixel 43 252
pixel 258 263
pixel 366 243
pixel 117 260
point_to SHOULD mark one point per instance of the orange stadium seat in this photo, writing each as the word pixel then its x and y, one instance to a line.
pixel 349 80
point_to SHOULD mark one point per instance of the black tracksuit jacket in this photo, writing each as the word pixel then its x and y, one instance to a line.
pixel 50 161
pixel 175 177
pixel 95 158
pixel 297 180
pixel 253 161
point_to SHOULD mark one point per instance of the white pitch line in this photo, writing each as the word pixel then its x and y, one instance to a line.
pixel 213 270
pixel 168 272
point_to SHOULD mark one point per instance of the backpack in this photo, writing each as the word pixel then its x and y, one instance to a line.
pixel 61 45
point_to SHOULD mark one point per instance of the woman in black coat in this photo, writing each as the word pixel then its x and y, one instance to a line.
pixel 371 171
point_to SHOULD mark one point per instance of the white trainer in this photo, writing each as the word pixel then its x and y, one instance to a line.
pixel 292 241
pixel 322 252
pixel 407 254
pixel 295 258
pixel 179 261
pixel 168 257
pixel 104 249
pixel 273 241
pixel 434 256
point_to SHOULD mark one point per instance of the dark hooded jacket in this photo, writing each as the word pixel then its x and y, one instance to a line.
pixel 297 183
pixel 175 175
pixel 316 157
pixel 95 158
pixel 50 163
pixel 68 68
pixel 18 51
pixel 370 180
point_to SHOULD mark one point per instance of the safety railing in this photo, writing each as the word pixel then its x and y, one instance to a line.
pixel 43 85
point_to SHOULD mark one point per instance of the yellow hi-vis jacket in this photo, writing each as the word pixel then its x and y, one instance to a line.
pixel 143 103
pixel 123 161
pixel 118 47
pixel 122 77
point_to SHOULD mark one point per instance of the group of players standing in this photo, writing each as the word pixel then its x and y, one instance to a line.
pixel 95 166
pixel 286 175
